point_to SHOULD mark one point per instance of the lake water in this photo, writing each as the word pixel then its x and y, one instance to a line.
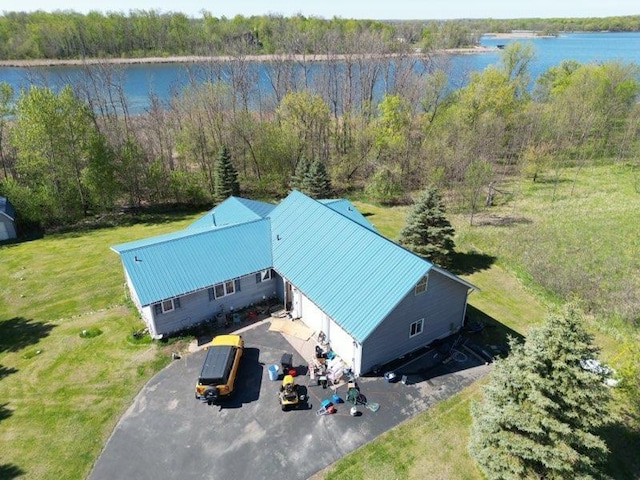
pixel 141 79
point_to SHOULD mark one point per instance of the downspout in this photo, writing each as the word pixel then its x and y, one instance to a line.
pixel 466 303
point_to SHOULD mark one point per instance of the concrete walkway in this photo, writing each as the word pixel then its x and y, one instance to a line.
pixel 167 434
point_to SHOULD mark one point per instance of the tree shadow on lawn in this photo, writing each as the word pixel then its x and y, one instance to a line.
pixel 18 333
pixel 624 444
pixel 6 371
pixel 470 262
pixel 9 470
pixel 4 414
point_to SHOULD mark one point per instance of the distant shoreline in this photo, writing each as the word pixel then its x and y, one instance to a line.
pixel 524 34
pixel 50 62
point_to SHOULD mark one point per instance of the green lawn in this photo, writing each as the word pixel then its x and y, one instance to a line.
pixel 61 394
pixel 537 240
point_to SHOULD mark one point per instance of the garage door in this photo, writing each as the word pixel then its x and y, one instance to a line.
pixel 311 315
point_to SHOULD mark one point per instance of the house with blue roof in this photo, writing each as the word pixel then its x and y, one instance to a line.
pixel 7 220
pixel 374 300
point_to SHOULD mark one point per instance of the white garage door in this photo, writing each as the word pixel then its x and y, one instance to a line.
pixel 311 315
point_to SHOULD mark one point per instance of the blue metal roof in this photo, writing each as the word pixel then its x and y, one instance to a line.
pixel 6 208
pixel 170 265
pixel 355 275
pixel 326 248
pixel 346 208
pixel 233 210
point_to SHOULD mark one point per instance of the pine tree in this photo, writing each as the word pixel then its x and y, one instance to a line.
pixel 312 179
pixel 427 232
pixel 302 168
pixel 316 181
pixel 541 409
pixel 225 181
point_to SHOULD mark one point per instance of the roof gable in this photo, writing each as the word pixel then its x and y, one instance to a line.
pixel 346 208
pixel 355 275
pixel 231 211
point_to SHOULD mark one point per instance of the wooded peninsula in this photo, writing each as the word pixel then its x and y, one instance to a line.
pixel 149 33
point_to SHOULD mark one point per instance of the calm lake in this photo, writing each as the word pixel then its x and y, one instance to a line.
pixel 162 79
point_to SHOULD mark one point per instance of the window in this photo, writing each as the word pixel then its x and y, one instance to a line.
pixel 421 286
pixel 263 276
pixel 223 289
pixel 416 328
pixel 167 306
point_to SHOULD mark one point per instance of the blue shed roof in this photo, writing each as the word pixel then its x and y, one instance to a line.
pixel 233 210
pixel 170 265
pixel 6 208
pixel 355 275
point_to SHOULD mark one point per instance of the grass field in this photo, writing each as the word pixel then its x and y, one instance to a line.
pixel 61 393
pixel 547 243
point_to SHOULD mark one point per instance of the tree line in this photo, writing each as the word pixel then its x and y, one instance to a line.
pixel 383 126
pixel 76 151
pixel 143 33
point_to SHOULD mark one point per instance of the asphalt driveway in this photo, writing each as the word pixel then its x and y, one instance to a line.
pixel 166 433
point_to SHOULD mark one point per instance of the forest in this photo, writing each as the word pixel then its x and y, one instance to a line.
pixel 382 128
pixel 144 33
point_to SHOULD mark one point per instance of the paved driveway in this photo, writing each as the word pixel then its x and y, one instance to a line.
pixel 167 434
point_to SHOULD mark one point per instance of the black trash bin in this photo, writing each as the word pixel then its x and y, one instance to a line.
pixel 287 362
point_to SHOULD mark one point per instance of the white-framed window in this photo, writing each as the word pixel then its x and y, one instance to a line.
pixel 416 328
pixel 223 289
pixel 263 276
pixel 421 286
pixel 167 306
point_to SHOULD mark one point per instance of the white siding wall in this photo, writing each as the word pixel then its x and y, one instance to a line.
pixel 147 316
pixel 145 312
pixel 312 315
pixel 341 342
pixel 343 345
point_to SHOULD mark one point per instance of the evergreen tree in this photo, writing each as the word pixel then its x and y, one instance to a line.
pixel 225 181
pixel 541 409
pixel 316 181
pixel 427 232
pixel 312 179
pixel 298 178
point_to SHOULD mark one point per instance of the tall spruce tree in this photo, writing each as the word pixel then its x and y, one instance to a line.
pixel 316 181
pixel 541 410
pixel 312 179
pixel 225 182
pixel 427 231
pixel 302 168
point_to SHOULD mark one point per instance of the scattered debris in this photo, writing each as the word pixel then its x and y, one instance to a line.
pixel 606 372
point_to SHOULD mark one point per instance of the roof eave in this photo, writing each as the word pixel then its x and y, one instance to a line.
pixel 450 275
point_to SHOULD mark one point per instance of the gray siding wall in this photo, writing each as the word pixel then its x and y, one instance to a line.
pixel 7 228
pixel 442 306
pixel 196 307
